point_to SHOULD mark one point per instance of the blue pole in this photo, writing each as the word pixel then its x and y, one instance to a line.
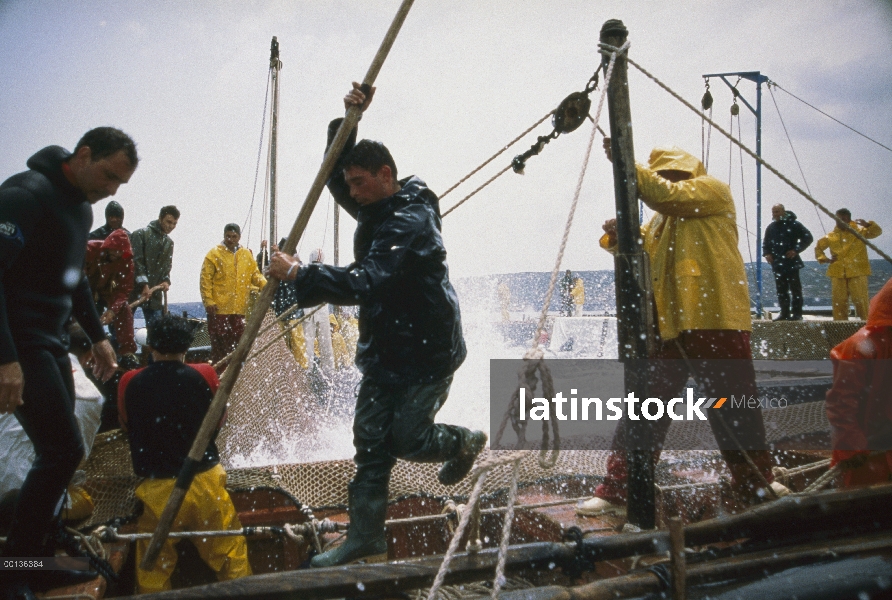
pixel 759 198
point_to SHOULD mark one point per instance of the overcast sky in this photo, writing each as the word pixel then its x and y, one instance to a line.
pixel 187 80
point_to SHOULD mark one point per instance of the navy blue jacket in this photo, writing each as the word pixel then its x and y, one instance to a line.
pixel 409 319
pixel 44 222
pixel 784 235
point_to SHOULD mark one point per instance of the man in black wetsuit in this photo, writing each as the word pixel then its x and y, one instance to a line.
pixel 410 337
pixel 45 216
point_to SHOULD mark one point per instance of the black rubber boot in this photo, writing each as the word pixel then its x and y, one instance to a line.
pixel 365 537
pixel 458 467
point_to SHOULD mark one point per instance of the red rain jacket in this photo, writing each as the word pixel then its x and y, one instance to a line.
pixel 859 405
pixel 111 280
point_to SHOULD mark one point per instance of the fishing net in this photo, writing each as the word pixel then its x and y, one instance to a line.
pixel 273 407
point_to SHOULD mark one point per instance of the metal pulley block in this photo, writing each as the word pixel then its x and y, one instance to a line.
pixel 570 114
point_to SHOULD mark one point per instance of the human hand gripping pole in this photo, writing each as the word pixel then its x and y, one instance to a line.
pixel 215 411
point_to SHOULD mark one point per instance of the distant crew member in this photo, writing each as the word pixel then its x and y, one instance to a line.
pixel 153 258
pixel 859 405
pixel 45 217
pixel 317 329
pixel 566 294
pixel 162 408
pixel 578 295
pixel 785 239
pixel 228 275
pixel 849 266
pixel 410 337
pixel 114 219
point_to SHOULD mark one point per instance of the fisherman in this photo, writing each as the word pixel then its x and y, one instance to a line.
pixel 153 258
pixel 109 269
pixel 114 219
pixel 566 294
pixel 578 295
pixel 785 239
pixel 702 310
pixel 45 217
pixel 162 407
pixel 228 275
pixel 410 338
pixel 317 330
pixel 859 405
pixel 849 266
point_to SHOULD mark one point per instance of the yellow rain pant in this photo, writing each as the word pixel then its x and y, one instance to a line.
pixel 843 288
pixel 207 507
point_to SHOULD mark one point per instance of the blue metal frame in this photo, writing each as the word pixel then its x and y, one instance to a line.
pixel 758 79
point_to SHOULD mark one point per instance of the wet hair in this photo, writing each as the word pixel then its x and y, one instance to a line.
pixel 371 156
pixel 232 227
pixel 171 210
pixel 114 209
pixel 106 141
pixel 844 211
pixel 170 335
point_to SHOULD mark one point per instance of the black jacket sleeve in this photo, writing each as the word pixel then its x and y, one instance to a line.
pixel 804 237
pixel 19 211
pixel 407 235
pixel 84 310
pixel 336 183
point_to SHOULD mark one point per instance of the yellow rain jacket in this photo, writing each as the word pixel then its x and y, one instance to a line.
pixel 206 507
pixel 849 250
pixel 697 272
pixel 578 291
pixel 338 345
pixel 228 278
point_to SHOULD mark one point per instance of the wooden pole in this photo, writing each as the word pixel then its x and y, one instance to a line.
pixel 230 376
pixel 275 66
pixel 677 558
pixel 633 306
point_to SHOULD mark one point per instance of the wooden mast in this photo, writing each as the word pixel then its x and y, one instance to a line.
pixel 275 65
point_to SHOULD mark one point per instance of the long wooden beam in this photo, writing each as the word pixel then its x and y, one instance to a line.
pixel 842 513
pixel 230 376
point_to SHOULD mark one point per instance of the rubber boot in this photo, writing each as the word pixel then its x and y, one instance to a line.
pixel 457 468
pixel 365 537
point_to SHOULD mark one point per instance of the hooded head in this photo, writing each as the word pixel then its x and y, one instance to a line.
pixel 118 240
pixel 675 159
pixel 880 312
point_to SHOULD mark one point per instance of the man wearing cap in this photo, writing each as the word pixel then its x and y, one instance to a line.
pixel 228 276
pixel 114 219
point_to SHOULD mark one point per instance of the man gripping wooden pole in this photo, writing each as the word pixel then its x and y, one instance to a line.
pixel 230 376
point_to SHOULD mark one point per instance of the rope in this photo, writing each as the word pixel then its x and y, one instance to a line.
pixel 492 158
pixel 480 472
pixel 746 222
pixel 835 119
pixel 793 150
pixel 499 579
pixel 468 197
pixel 249 218
pixel 768 166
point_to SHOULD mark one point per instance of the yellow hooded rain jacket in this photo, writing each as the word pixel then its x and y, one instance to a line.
pixel 699 281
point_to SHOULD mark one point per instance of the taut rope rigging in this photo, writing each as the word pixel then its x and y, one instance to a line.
pixel 793 150
pixel 768 166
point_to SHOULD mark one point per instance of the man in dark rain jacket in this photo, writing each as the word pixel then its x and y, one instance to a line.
pixel 45 216
pixel 410 338
pixel 785 239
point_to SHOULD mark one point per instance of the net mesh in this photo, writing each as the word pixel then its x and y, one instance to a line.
pixel 272 407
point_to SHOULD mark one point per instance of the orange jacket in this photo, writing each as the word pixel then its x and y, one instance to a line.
pixel 859 405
